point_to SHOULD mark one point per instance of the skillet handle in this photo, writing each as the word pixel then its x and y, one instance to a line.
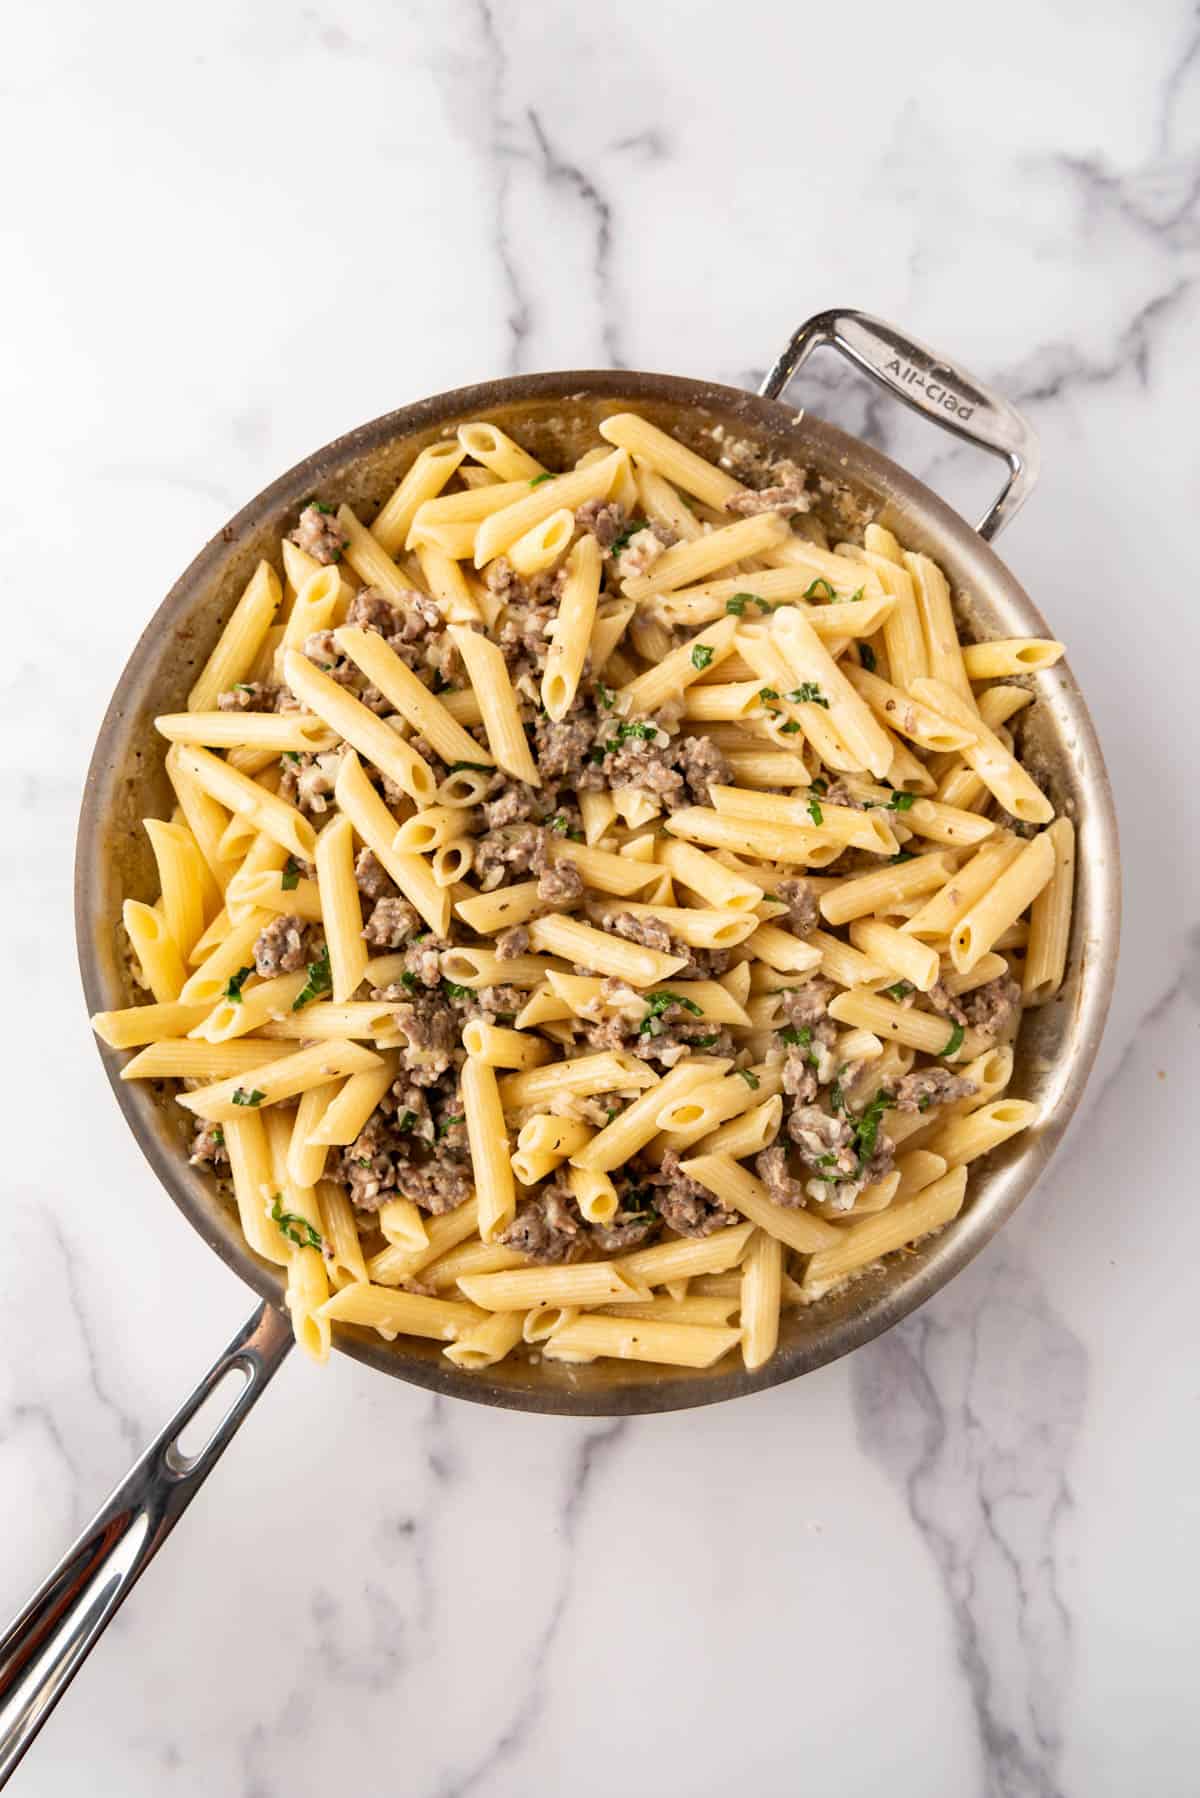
pixel 940 390
pixel 43 1648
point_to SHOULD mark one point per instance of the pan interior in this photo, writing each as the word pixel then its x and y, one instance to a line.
pixel 555 416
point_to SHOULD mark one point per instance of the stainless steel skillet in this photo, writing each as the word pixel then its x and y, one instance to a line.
pixel 555 414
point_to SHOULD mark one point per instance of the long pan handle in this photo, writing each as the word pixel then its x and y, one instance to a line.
pixel 42 1650
pixel 942 391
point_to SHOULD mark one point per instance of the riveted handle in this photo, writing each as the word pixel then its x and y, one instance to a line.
pixel 45 1646
pixel 939 389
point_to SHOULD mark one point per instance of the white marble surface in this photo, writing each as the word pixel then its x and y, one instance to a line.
pixel 962 1562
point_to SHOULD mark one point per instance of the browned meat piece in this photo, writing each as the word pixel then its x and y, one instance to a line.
pixel 548 1227
pixel 492 1002
pixel 701 763
pixel 508 853
pixel 931 1086
pixel 391 923
pixel 560 884
pixel 786 496
pixel 638 554
pixel 629 1228
pixel 991 1008
pixel 939 997
pixel 834 1149
pixel 705 964
pixel 247 696
pixel 433 1030
pixel 800 1074
pixel 605 519
pixel 372 612
pixel 373 879
pixel 524 638
pixel 317 533
pixel 651 933
pixel 322 650
pixel 772 1169
pixel 808 1002
pixel 419 616
pixel 423 963
pixel 439 1184
pixel 825 1142
pixel 561 750
pixel 838 793
pixel 514 804
pixel 282 947
pixel 646 763
pixel 503 580
pixel 512 943
pixel 308 780
pixel 803 911
pixel 208 1146
pixel 684 1204
pixel 400 1150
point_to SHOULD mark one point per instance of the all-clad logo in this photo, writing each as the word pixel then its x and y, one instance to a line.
pixel 936 391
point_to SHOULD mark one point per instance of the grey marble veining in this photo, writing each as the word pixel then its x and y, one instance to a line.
pixel 956 1563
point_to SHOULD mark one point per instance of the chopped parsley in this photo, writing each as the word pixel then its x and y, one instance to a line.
pixel 815 812
pixel 737 605
pixel 605 695
pixel 409 980
pixel 447 1124
pixel 622 540
pixel 866 1127
pixel 790 728
pixel 596 756
pixel 638 1201
pixel 318 506
pixel 820 589
pixel 954 1042
pixel 476 767
pixel 765 693
pixel 866 655
pixel 234 985
pixel 820 785
pixel 702 656
pixel 218 1137
pixel 900 991
pixel 539 478
pixel 406 1120
pixel 901 802
pixel 320 980
pixel 904 856
pixel 290 755
pixel 658 1003
pixel 799 1036
pixel 703 1042
pixel 297 1229
pixel 243 686
pixel 640 727
pixel 289 880
pixel 454 991
pixel 252 1098
pixel 808 693
pixel 749 1077
pixel 611 1112
pixel 560 824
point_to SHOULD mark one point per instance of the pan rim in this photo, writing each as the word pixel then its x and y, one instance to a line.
pixel 975 1227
